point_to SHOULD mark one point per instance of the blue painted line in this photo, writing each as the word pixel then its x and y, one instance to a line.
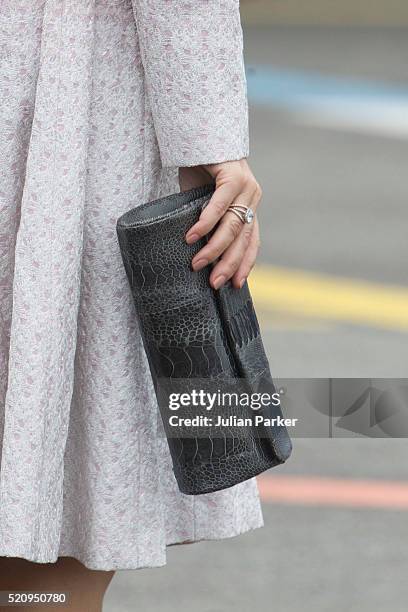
pixel 293 89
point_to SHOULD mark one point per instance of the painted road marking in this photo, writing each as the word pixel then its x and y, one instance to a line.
pixel 335 102
pixel 329 298
pixel 317 490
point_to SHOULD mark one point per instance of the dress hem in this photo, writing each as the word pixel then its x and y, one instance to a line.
pixel 131 566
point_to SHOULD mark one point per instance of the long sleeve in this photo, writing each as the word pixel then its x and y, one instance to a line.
pixel 192 53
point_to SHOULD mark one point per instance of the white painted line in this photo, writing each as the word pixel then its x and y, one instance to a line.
pixel 389 121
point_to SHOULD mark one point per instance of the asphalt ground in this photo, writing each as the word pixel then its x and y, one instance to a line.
pixel 332 159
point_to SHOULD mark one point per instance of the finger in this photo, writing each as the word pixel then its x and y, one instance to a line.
pixel 248 261
pixel 223 196
pixel 231 259
pixel 228 230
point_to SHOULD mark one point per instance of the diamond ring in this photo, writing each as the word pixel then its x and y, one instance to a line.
pixel 244 213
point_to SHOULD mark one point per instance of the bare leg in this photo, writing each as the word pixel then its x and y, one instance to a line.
pixel 85 588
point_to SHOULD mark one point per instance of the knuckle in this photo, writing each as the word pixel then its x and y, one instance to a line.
pixel 200 228
pixel 213 253
pixel 204 253
pixel 232 266
pixel 236 263
pixel 208 252
pixel 228 270
pixel 246 237
pixel 245 176
pixel 219 207
pixel 236 227
pixel 258 191
pixel 248 181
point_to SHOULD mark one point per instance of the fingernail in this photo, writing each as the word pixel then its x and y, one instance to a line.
pixel 199 264
pixel 191 238
pixel 241 283
pixel 219 281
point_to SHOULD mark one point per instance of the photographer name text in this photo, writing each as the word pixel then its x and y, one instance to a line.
pixel 230 421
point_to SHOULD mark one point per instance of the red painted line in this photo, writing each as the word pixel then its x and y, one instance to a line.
pixel 322 491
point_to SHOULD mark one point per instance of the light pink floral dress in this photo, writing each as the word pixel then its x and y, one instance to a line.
pixel 100 102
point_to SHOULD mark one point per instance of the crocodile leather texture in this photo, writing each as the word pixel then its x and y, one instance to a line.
pixel 193 333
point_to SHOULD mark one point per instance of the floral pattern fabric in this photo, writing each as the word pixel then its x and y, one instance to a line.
pixel 100 102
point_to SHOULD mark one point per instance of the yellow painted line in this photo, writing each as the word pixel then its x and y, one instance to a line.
pixel 328 297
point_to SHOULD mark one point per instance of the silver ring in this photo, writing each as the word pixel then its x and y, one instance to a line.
pixel 244 213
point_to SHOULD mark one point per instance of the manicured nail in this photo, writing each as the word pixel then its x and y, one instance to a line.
pixel 199 264
pixel 219 281
pixel 191 238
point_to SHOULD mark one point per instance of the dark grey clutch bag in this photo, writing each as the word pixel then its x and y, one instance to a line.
pixel 199 338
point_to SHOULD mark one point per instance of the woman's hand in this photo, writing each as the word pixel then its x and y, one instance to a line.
pixel 235 243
